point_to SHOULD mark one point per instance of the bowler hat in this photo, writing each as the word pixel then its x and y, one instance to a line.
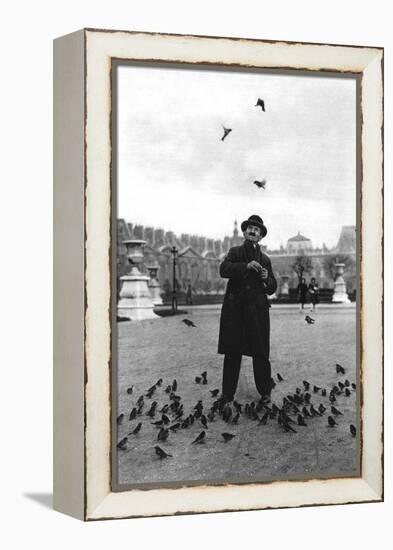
pixel 254 220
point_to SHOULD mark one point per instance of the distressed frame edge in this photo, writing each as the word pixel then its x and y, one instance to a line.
pixel 68 274
pixel 375 493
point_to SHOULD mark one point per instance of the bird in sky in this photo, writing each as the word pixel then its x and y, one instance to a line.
pixel 227 437
pixel 260 103
pixel 261 184
pixel 226 132
pixel 200 438
pixel 188 323
pixel 161 453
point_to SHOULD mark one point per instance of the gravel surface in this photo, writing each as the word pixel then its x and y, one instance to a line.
pixel 166 348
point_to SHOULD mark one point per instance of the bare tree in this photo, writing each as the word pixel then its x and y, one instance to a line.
pixel 302 265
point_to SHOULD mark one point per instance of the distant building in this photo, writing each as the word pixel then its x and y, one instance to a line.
pixel 199 258
pixel 299 244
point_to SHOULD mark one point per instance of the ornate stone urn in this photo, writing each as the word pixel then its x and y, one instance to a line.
pixel 154 285
pixel 340 288
pixel 135 299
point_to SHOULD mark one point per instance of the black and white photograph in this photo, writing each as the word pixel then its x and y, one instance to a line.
pixel 236 334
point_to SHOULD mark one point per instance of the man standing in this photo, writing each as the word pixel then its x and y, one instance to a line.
pixel 245 322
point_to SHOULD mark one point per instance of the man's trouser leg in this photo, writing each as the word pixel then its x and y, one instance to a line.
pixel 230 377
pixel 262 374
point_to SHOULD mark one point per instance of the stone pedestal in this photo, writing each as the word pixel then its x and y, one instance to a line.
pixel 340 289
pixel 154 285
pixel 135 299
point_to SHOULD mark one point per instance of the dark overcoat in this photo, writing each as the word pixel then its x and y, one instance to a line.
pixel 244 322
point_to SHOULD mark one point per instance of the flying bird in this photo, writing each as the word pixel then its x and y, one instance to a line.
pixel 309 320
pixel 261 184
pixel 260 103
pixel 188 323
pixel 226 132
pixel 200 438
pixel 227 437
pixel 161 453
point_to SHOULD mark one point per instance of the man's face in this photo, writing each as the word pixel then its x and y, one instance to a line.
pixel 253 233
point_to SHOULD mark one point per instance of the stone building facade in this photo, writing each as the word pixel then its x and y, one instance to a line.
pixel 199 259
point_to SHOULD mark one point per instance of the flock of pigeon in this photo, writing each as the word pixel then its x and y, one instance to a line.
pixel 296 410
pixel 260 103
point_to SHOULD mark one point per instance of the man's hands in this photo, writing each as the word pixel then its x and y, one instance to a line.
pixel 255 266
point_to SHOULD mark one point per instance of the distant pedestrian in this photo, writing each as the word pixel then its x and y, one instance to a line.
pixel 189 295
pixel 313 290
pixel 302 290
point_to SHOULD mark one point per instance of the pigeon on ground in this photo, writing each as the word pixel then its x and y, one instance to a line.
pixel 352 430
pixel 227 437
pixel 321 408
pixel 347 392
pixel 353 386
pixel 161 453
pixel 122 445
pixel 204 377
pixel 300 420
pixel 164 409
pixel 226 132
pixel 188 323
pixel 235 419
pixel 130 390
pixel 305 412
pixel 214 393
pixel 174 385
pixel 335 411
pixel 306 385
pixel 314 411
pixel 137 429
pixel 279 377
pixel 133 414
pixel 140 400
pixel 347 383
pixel 203 420
pixel 331 422
pixel 159 382
pixel 168 389
pixel 260 184
pixel 264 418
pixel 323 393
pixel 119 419
pixel 150 392
pixel 198 379
pixel 316 389
pixel 200 438
pixel 309 320
pixel 174 427
pixel 260 103
pixel 340 369
pixel 163 434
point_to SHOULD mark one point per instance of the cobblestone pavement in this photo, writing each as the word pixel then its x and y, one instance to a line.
pixel 166 348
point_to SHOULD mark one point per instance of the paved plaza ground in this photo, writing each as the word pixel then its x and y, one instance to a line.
pixel 166 348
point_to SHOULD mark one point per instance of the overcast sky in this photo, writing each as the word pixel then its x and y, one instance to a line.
pixel 175 172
